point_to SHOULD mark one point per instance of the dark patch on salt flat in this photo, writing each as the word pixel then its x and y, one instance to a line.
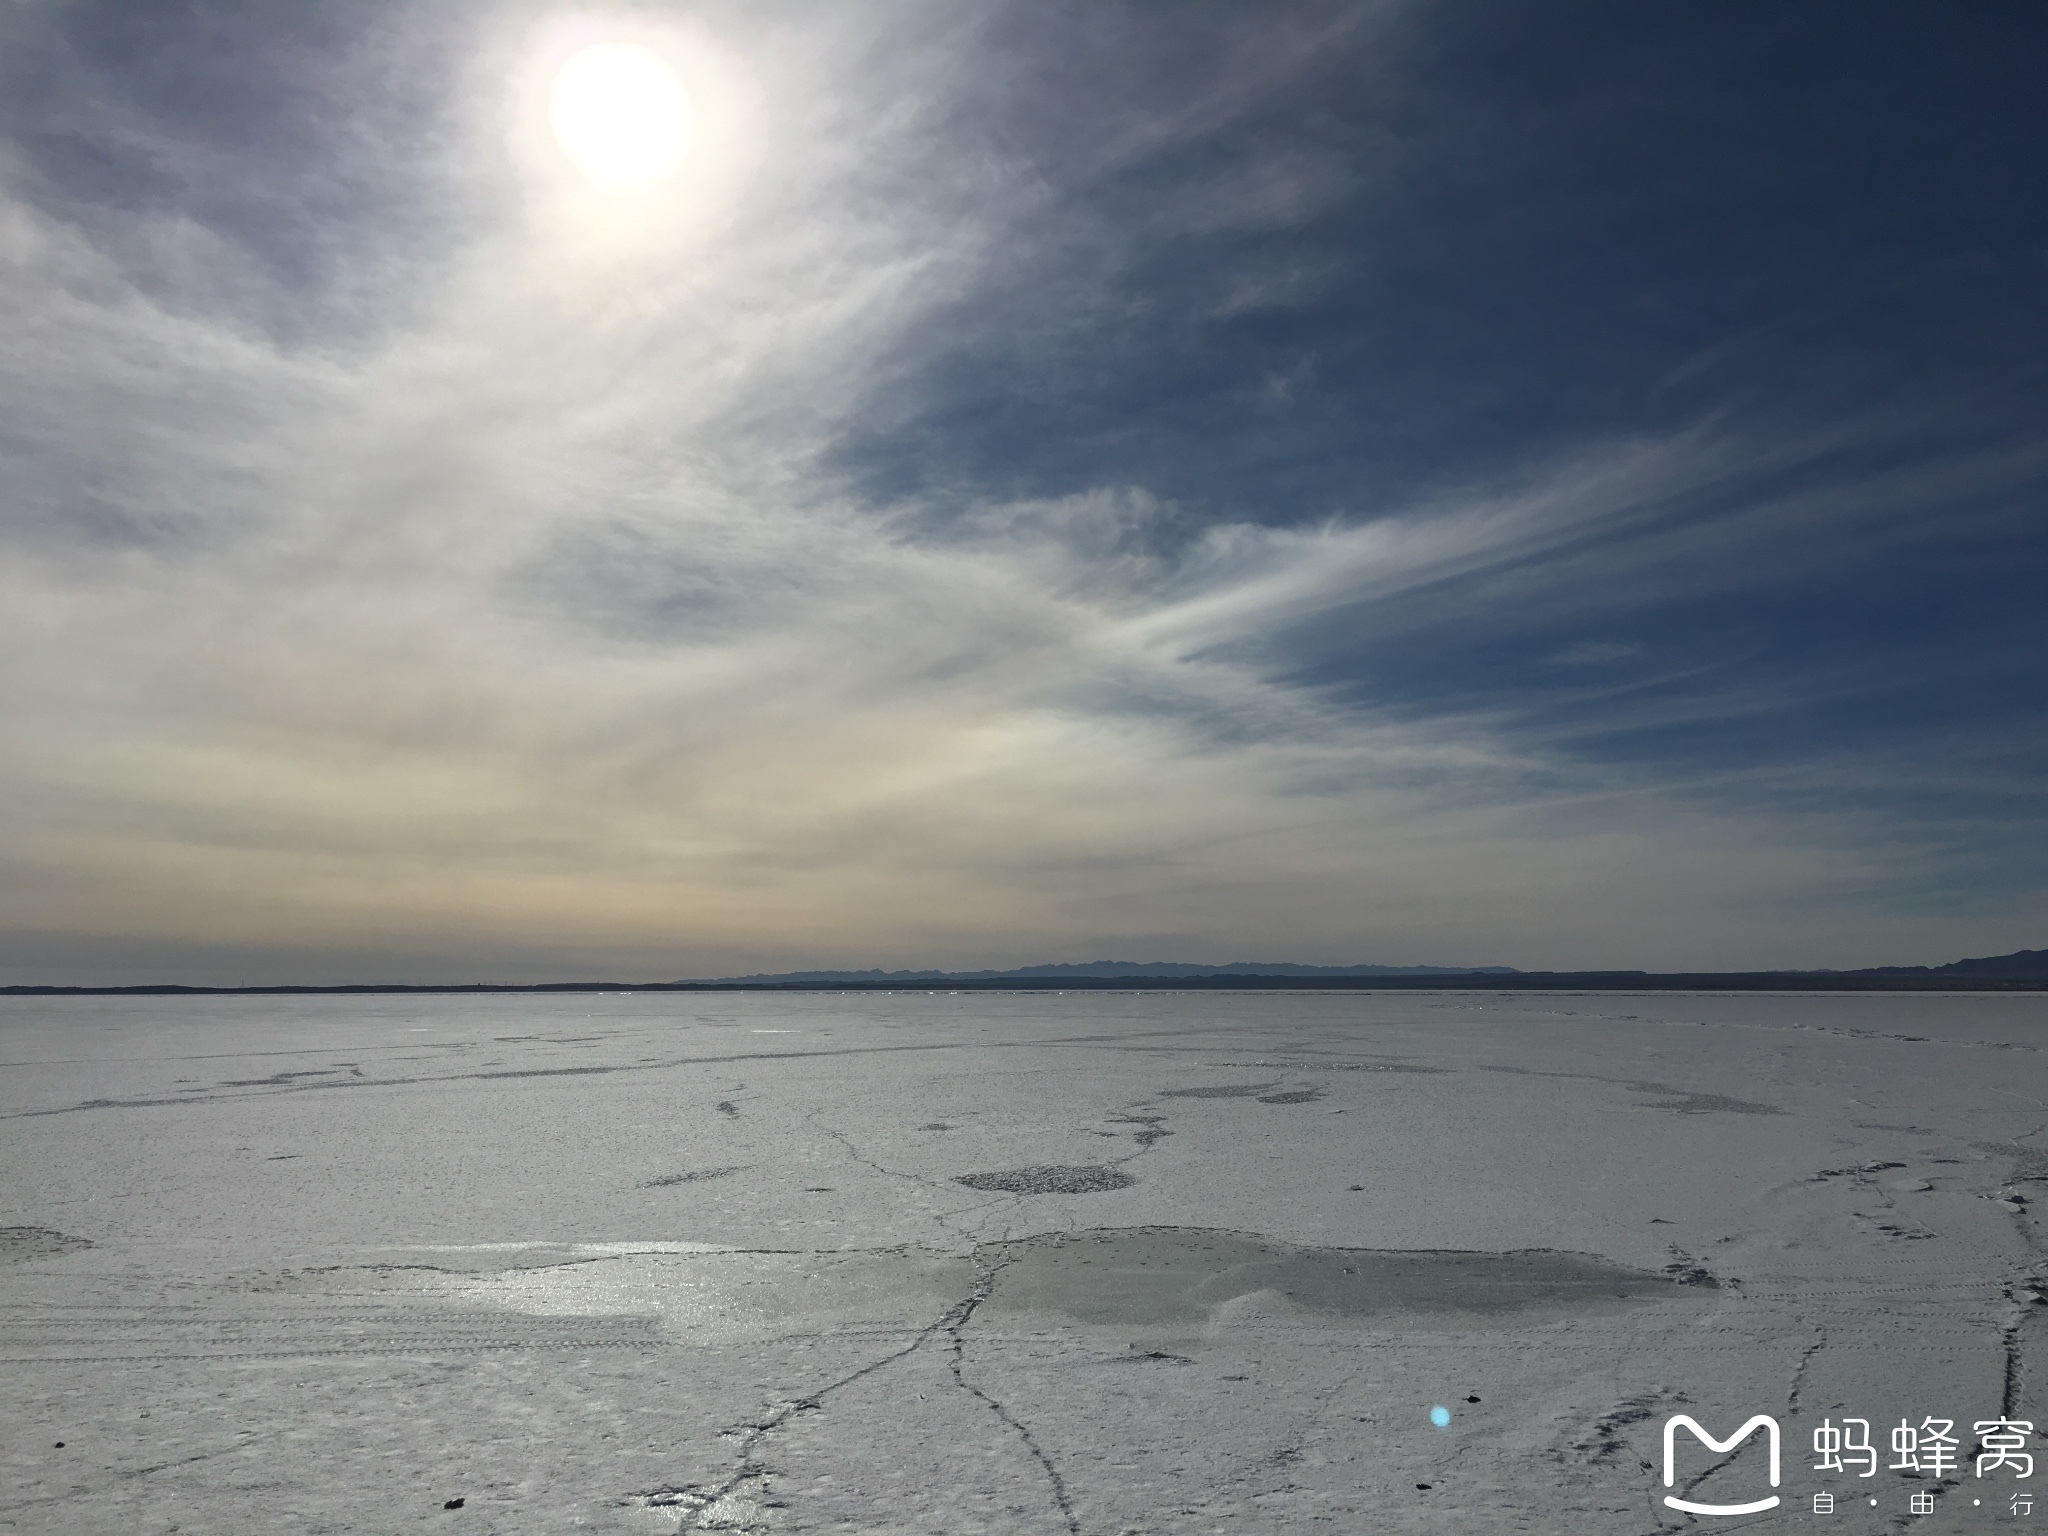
pixel 696 1177
pixel 1183 1274
pixel 1705 1103
pixel 1351 1066
pixel 284 1079
pixel 1296 1096
pixel 1848 1173
pixel 1084 1180
pixel 19 1243
pixel 1151 1127
pixel 936 1125
pixel 1222 1091
pixel 727 1107
pixel 1607 1438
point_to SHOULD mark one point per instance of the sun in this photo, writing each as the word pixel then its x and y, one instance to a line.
pixel 620 114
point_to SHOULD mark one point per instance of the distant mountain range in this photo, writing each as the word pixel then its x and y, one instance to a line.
pixel 2021 964
pixel 1103 970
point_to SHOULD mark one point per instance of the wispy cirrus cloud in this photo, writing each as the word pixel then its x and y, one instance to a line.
pixel 530 599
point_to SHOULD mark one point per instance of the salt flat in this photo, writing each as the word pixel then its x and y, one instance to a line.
pixel 1091 1263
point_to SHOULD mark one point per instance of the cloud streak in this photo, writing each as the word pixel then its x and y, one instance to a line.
pixel 513 607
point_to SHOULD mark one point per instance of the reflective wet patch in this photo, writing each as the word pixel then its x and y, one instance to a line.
pixel 1184 1274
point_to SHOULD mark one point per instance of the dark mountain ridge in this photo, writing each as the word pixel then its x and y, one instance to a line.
pixel 1110 970
pixel 2024 964
pixel 2024 970
pixel 2021 965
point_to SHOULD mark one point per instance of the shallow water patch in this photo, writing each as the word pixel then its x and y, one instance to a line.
pixel 689 1287
pixel 1704 1103
pixel 1174 1277
pixel 1186 1274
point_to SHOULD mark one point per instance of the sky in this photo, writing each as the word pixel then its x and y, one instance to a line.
pixel 1433 483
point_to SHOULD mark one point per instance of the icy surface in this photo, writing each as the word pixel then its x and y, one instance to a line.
pixel 1037 1263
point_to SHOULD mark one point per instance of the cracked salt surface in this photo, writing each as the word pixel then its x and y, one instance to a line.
pixel 283 1265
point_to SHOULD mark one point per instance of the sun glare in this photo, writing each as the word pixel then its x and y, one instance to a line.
pixel 620 114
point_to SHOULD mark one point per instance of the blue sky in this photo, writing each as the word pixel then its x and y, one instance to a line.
pixel 1553 486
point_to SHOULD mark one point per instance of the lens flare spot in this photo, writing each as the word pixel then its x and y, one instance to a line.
pixel 620 114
